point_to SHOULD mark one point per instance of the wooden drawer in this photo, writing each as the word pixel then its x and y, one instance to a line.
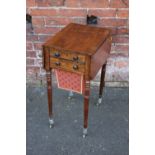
pixel 67 65
pixel 68 56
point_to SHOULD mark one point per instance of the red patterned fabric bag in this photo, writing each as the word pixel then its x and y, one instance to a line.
pixel 70 81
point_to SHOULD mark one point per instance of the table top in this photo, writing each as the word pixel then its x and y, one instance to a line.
pixel 78 38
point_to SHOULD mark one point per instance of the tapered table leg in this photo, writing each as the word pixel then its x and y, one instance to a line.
pixel 102 84
pixel 49 93
pixel 86 107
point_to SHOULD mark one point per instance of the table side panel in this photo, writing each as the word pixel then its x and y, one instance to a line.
pixel 100 57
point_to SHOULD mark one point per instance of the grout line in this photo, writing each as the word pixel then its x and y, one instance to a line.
pixel 78 17
pixel 79 8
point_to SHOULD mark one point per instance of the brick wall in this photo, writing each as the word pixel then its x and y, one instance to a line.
pixel 50 16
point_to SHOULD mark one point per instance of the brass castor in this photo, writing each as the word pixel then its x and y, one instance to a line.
pixel 70 95
pixel 99 101
pixel 85 132
pixel 51 123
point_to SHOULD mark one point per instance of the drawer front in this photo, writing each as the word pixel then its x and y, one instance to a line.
pixel 67 65
pixel 68 56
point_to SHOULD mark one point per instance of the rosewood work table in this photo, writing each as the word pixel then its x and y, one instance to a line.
pixel 81 50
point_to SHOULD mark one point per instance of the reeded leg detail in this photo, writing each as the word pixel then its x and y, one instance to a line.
pixel 86 107
pixel 49 93
pixel 70 95
pixel 85 132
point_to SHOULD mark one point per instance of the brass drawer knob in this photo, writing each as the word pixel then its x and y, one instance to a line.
pixel 57 54
pixel 57 63
pixel 75 67
pixel 75 58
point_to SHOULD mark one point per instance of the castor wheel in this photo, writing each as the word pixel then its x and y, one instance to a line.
pixel 99 102
pixel 51 123
pixel 84 136
pixel 70 95
pixel 85 132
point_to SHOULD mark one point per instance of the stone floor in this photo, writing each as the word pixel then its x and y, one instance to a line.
pixel 108 124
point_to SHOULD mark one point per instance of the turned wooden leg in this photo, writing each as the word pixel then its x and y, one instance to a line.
pixel 49 92
pixel 102 84
pixel 86 107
